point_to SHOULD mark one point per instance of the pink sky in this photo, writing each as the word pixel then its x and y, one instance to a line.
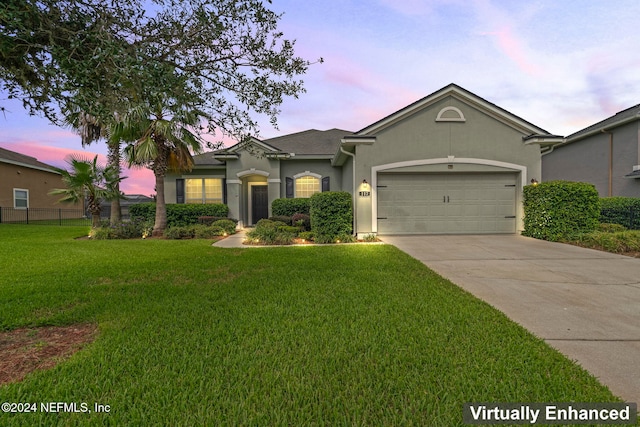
pixel 545 61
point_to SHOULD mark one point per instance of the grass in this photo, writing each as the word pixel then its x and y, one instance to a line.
pixel 196 335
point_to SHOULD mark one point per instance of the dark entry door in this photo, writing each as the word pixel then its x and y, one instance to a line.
pixel 259 202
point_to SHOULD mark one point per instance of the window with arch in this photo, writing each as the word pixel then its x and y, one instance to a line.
pixel 307 185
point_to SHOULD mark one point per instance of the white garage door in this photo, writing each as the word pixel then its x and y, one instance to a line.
pixel 411 203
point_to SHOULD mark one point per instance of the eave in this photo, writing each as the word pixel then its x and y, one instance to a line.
pixel 543 140
pixel 25 165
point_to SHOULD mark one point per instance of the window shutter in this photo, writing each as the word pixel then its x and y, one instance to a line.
pixel 289 188
pixel 325 184
pixel 179 190
pixel 224 190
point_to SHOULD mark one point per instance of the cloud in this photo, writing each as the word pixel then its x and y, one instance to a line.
pixel 139 181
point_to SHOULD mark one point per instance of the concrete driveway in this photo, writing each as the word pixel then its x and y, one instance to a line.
pixel 583 302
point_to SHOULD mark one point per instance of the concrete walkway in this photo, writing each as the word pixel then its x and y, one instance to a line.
pixel 583 302
pixel 233 241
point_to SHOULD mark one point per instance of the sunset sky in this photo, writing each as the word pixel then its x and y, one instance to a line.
pixel 561 65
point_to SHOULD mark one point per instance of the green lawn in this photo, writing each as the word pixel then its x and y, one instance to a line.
pixel 195 335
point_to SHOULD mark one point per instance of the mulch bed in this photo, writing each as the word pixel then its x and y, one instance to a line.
pixel 29 349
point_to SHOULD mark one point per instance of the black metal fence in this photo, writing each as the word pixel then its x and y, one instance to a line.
pixel 627 216
pixel 44 216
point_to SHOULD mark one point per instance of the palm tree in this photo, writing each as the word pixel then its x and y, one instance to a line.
pixel 161 141
pixel 92 129
pixel 88 179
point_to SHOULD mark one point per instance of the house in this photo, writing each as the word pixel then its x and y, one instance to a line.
pixel 25 182
pixel 125 203
pixel 606 154
pixel 451 162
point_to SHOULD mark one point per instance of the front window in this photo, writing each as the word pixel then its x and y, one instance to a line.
pixel 306 186
pixel 203 190
pixel 20 198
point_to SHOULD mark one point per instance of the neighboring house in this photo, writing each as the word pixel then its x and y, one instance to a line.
pixel 451 162
pixel 25 183
pixel 128 201
pixel 605 154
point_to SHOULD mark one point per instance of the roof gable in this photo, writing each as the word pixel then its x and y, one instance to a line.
pixel 11 157
pixel 311 142
pixel 248 146
pixel 618 119
pixel 463 95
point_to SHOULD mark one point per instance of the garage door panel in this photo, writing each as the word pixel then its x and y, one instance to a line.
pixel 431 203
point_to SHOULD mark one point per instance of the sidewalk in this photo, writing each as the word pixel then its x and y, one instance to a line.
pixel 233 241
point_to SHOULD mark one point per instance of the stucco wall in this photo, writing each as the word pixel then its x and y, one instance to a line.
pixel 291 167
pixel 170 180
pixel 420 137
pixel 39 183
pixel 588 160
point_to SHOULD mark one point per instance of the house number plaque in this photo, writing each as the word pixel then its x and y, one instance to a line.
pixel 365 193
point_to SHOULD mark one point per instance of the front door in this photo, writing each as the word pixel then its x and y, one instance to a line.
pixel 259 202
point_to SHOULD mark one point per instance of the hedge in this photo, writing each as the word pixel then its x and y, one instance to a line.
pixel 290 207
pixel 179 215
pixel 331 215
pixel 559 209
pixel 621 210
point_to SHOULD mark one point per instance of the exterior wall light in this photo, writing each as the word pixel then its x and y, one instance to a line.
pixel 534 181
pixel 365 184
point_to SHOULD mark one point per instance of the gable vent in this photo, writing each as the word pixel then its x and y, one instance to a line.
pixel 450 114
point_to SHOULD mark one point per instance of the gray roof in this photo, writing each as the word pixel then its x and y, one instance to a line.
pixel 206 159
pixel 310 142
pixel 624 116
pixel 7 156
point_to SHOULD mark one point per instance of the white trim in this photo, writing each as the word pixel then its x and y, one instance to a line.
pixel 251 141
pixel 203 188
pixel 307 173
pixel 234 181
pixel 460 117
pixel 462 160
pixel 14 198
pixel 459 94
pixel 274 181
pixel 250 185
pixel 252 171
pixel 26 165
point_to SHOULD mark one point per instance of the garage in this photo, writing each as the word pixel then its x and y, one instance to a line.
pixel 460 203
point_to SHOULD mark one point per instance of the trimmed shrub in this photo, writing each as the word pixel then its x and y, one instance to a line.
pixel 281 218
pixel 208 220
pixel 621 210
pixel 208 232
pixel 306 235
pixel 177 232
pixel 557 210
pixel 616 242
pixel 610 228
pixel 302 221
pixel 179 214
pixel 290 207
pixel 133 229
pixel 228 226
pixel 269 232
pixel 331 215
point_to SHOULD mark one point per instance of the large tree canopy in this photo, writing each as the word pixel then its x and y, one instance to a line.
pixel 54 53
pixel 224 57
pixel 191 66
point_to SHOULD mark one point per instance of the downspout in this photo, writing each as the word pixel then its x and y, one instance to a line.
pixel 610 161
pixel 353 190
pixel 549 151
